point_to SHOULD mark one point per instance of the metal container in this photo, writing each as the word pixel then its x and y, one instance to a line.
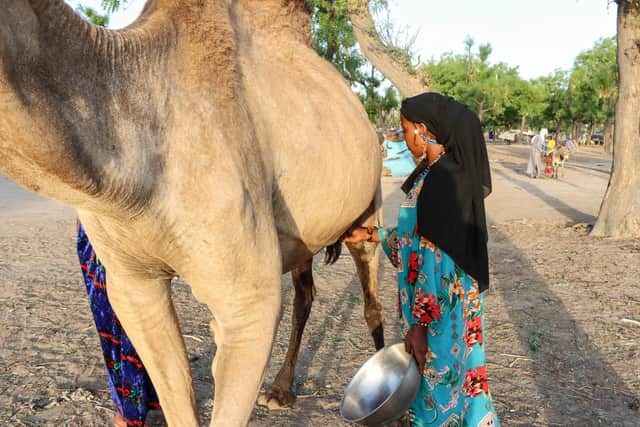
pixel 383 388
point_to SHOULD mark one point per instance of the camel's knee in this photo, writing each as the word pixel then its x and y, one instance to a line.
pixel 373 312
pixel 364 253
pixel 245 319
pixel 140 298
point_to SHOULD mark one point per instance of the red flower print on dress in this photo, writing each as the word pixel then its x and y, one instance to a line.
pixel 475 382
pixel 473 333
pixel 125 390
pixel 413 267
pixel 425 308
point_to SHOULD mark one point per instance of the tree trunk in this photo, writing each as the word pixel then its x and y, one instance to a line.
pixel 608 126
pixel 589 133
pixel 608 135
pixel 379 55
pixel 575 130
pixel 620 211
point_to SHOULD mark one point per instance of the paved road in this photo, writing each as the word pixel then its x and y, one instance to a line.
pixel 576 197
pixel 586 156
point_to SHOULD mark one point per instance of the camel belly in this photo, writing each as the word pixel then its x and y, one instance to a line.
pixel 318 143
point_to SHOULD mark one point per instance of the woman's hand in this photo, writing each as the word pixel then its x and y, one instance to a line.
pixel 415 342
pixel 359 234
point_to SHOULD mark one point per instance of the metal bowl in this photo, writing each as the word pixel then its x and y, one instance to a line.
pixel 383 388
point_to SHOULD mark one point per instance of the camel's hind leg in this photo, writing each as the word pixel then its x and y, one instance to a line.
pixel 366 257
pixel 280 394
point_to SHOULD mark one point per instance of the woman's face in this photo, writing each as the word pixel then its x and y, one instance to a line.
pixel 414 143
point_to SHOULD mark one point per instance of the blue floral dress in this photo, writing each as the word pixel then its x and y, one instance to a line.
pixel 436 293
pixel 131 388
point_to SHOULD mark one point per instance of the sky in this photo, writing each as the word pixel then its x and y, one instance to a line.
pixel 537 36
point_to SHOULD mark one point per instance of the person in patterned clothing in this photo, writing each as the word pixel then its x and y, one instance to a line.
pixel 131 389
pixel 439 248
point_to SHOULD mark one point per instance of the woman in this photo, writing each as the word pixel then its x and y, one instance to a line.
pixel 440 249
pixel 131 389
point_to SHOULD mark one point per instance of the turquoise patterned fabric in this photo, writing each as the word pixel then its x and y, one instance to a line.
pixel 436 293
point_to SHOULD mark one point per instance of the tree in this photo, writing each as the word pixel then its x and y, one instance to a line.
pixel 556 103
pixel 111 6
pixel 583 99
pixel 394 62
pixel 492 91
pixel 620 210
pixel 334 39
pixel 93 16
pixel 593 88
pixel 380 108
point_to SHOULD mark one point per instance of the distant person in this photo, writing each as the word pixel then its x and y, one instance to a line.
pixel 535 168
pixel 439 248
pixel 548 149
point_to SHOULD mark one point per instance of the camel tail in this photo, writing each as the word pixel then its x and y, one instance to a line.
pixel 332 253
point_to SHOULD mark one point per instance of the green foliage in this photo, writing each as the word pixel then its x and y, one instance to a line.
pixel 594 80
pixel 354 299
pixel 503 99
pixel 379 108
pixel 535 338
pixel 495 92
pixel 555 112
pixel 334 38
pixel 335 41
pixel 111 6
pixel 93 16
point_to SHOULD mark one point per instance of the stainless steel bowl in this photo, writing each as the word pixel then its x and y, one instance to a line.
pixel 382 389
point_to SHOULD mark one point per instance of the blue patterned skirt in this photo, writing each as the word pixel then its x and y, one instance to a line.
pixel 131 388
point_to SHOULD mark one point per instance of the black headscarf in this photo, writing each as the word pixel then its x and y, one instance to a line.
pixel 451 203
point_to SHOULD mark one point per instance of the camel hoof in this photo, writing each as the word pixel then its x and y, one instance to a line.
pixel 275 399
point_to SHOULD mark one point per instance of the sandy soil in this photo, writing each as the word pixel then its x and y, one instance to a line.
pixel 561 348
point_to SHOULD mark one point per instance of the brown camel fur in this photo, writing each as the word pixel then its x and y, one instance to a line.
pixel 134 127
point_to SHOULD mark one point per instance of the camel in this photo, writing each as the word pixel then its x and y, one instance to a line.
pixel 128 128
pixel 559 157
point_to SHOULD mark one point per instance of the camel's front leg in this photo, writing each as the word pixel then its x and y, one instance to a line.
pixel 145 309
pixel 280 394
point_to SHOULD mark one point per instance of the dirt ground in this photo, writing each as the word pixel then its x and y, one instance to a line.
pixel 562 345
